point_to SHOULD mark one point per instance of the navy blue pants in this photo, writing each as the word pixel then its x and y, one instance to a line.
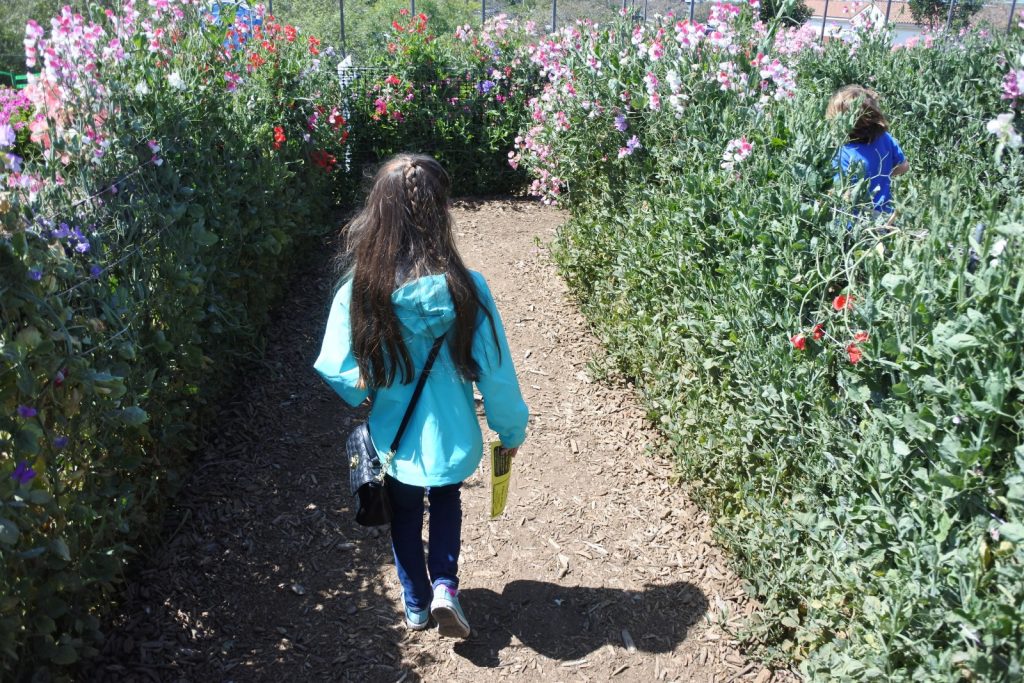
pixel 418 574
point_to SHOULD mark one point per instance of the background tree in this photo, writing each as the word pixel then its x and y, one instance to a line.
pixel 793 13
pixel 932 14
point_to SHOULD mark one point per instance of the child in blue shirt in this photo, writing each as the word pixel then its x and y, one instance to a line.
pixel 408 287
pixel 872 153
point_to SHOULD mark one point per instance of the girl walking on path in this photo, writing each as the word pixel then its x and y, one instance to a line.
pixel 407 286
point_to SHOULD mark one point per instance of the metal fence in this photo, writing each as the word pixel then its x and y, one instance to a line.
pixel 550 15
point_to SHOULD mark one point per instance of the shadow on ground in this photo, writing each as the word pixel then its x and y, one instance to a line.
pixel 261 573
pixel 568 623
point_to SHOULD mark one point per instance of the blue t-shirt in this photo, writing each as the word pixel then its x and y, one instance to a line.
pixel 872 160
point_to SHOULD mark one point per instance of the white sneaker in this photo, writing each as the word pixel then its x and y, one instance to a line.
pixel 445 608
pixel 416 620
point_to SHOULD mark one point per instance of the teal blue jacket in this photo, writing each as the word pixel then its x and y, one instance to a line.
pixel 442 444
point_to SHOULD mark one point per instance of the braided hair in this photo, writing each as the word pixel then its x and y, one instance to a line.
pixel 404 232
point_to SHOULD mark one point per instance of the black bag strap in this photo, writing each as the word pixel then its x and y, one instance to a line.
pixel 416 393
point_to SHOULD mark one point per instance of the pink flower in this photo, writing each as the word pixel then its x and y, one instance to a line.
pixel 1013 82
pixel 799 341
pixel 735 152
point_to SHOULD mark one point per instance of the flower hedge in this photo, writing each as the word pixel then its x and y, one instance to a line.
pixel 844 393
pixel 459 98
pixel 161 173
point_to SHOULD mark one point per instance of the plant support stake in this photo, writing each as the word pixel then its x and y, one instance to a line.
pixel 949 15
pixel 341 10
pixel 1009 23
pixel 824 18
pixel 483 12
pixel 554 15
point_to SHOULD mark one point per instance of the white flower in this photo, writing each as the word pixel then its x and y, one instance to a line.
pixel 998 247
pixel 1006 135
pixel 142 88
pixel 174 80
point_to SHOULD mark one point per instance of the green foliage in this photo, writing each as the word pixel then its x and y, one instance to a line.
pixel 876 508
pixel 460 99
pixel 790 12
pixel 14 14
pixel 933 14
pixel 113 354
pixel 367 22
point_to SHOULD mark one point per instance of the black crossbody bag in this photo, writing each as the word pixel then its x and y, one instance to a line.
pixel 366 472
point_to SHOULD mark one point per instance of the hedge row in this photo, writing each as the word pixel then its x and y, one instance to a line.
pixel 844 394
pixel 157 191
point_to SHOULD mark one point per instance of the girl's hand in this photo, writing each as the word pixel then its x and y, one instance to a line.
pixel 510 452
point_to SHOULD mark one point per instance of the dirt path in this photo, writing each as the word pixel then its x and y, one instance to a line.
pixel 599 569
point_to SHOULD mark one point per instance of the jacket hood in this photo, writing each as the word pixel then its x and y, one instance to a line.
pixel 424 306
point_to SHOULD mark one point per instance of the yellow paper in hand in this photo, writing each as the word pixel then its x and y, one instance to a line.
pixel 501 472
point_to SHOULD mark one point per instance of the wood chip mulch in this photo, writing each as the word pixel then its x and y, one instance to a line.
pixel 599 570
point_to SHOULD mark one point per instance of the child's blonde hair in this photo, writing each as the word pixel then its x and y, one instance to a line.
pixel 870 123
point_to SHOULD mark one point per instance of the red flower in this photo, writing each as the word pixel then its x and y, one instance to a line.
pixel 323 159
pixel 404 12
pixel 853 351
pixel 393 80
pixel 860 337
pixel 256 61
pixel 843 301
pixel 392 47
pixel 799 341
pixel 398 27
pixel 279 137
pixel 818 332
pixel 314 45
pixel 290 33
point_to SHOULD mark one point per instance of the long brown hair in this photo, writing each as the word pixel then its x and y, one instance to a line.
pixel 870 123
pixel 404 232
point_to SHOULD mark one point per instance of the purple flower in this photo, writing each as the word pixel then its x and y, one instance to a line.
pixel 620 123
pixel 35 274
pixel 61 231
pixel 7 135
pixel 60 442
pixel 80 241
pixel 27 412
pixel 13 162
pixel 485 86
pixel 95 271
pixel 22 473
pixel 633 144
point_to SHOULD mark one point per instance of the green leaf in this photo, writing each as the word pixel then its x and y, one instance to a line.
pixel 59 546
pixel 65 655
pixel 134 416
pixel 1013 532
pixel 9 531
pixel 900 447
pixel 959 341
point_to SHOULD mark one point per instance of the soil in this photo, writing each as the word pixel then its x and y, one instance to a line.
pixel 600 568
